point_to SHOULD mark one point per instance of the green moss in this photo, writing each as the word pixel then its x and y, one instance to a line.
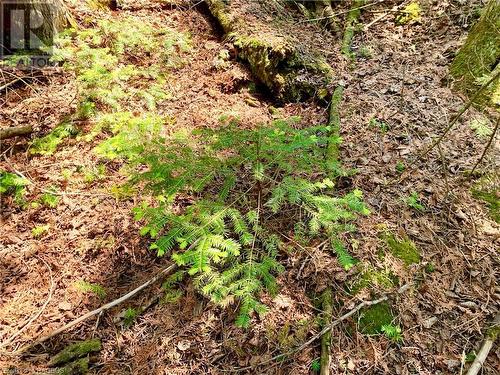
pixel 403 249
pixel 290 74
pixel 411 13
pixel 75 351
pixel 78 367
pixel 371 277
pixel 372 319
pixel 492 200
pixel 476 60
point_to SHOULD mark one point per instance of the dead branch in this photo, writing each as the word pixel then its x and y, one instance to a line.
pixel 15 131
pixel 101 309
pixel 327 337
pixel 491 336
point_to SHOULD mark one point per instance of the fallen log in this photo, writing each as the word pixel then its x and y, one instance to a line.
pixel 278 56
pixel 15 131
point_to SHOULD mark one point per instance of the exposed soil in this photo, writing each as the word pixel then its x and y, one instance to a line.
pixel 403 84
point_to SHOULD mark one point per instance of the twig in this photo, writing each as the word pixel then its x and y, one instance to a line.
pixel 487 147
pixel 101 309
pixel 336 322
pixel 37 315
pixel 491 336
pixel 9 84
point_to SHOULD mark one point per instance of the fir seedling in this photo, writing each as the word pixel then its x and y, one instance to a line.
pixel 49 199
pixel 392 332
pixel 315 365
pixel 14 185
pixel 413 201
pixel 40 230
pixel 223 238
pixel 86 287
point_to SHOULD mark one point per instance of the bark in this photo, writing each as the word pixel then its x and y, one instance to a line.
pixel 15 131
pixel 479 56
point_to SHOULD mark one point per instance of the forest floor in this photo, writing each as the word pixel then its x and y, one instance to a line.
pixel 397 99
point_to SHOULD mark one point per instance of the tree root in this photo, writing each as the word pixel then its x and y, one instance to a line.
pixel 327 336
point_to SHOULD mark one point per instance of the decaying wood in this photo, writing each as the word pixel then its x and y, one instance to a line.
pixel 15 131
pixel 350 25
pixel 327 337
pixel 291 70
pixel 491 336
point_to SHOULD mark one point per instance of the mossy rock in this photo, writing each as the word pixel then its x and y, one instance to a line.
pixel 403 249
pixel 371 319
pixel 75 351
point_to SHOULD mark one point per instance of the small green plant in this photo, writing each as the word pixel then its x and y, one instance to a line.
pixel 243 180
pixel 95 173
pixel 413 201
pixel 365 52
pixel 400 167
pixel 129 316
pixel 40 230
pixel 343 256
pixel 47 145
pixel 316 365
pixel 481 127
pixel 14 185
pixel 410 14
pixel 101 59
pixel 86 287
pixel 383 126
pixel 49 199
pixel 392 332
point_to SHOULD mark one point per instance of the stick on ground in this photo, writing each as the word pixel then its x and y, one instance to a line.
pixel 101 309
pixel 491 336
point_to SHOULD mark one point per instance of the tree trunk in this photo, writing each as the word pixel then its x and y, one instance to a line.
pixel 479 57
pixel 29 26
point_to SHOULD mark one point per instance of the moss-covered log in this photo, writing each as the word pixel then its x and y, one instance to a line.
pixel 291 70
pixel 479 57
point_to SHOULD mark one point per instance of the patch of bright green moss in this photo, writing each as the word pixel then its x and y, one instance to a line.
pixel 492 200
pixel 403 249
pixel 372 319
pixel 74 351
pixel 372 277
